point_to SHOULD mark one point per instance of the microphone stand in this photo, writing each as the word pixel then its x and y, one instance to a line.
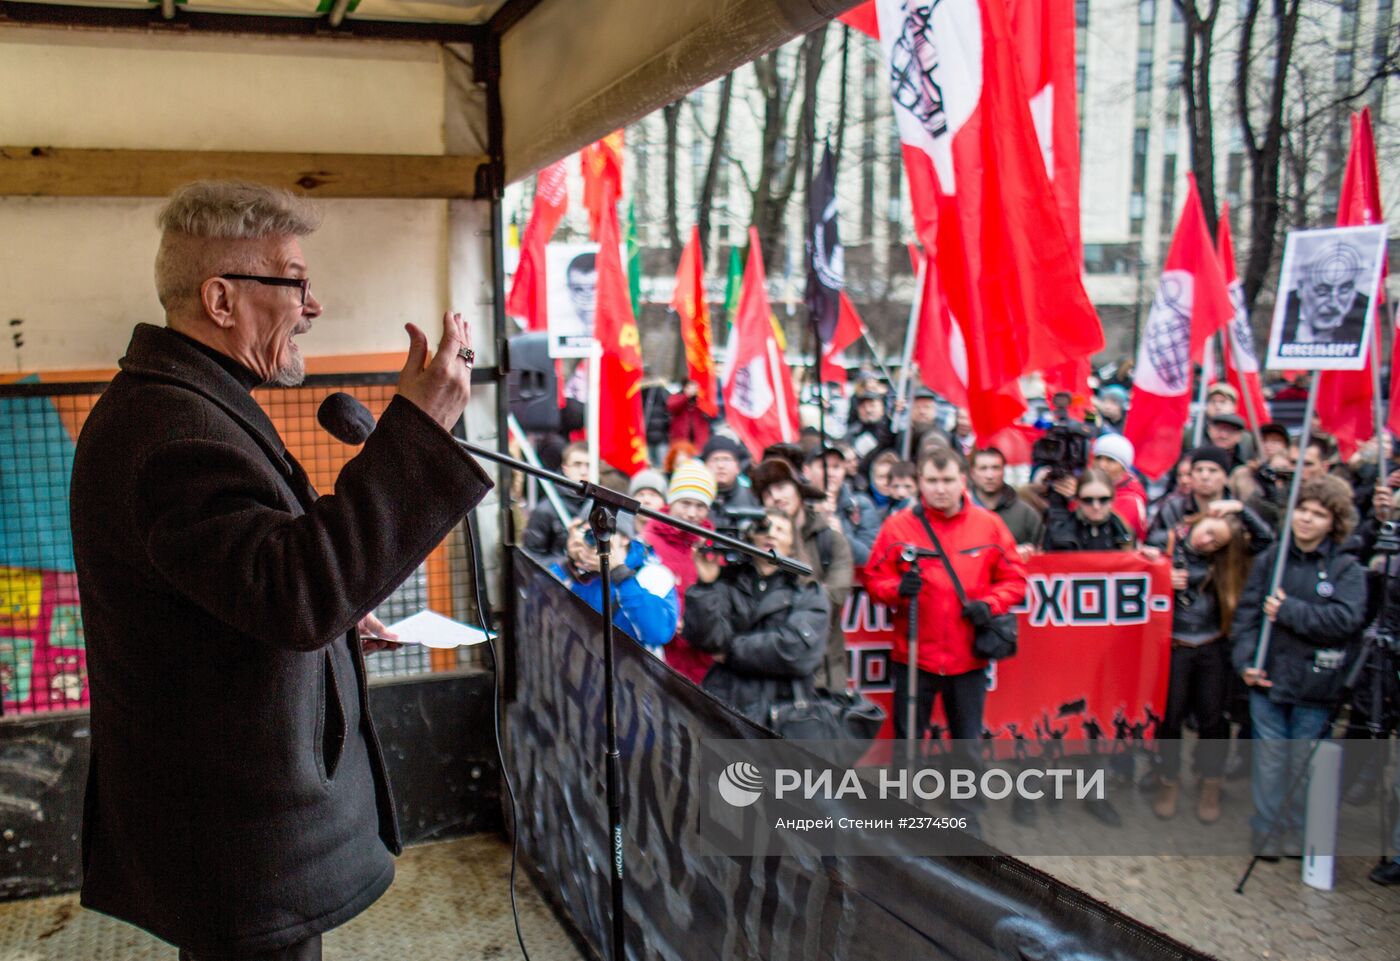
pixel 602 520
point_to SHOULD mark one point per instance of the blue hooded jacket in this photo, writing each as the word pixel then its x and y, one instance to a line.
pixel 645 604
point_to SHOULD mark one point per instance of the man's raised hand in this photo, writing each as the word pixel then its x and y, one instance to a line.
pixel 440 387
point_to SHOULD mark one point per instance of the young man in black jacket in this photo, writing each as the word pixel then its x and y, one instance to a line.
pixel 1317 612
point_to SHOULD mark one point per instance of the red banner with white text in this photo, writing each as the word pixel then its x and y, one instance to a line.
pixel 1093 658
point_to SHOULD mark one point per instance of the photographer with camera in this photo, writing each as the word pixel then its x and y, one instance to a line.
pixel 860 521
pixel 777 483
pixel 688 498
pixel 869 428
pixel 764 628
pixel 644 591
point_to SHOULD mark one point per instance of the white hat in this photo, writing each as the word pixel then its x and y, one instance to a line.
pixel 1115 447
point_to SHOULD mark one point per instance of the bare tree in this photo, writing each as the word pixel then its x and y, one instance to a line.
pixel 705 202
pixel 783 153
pixel 1263 131
pixel 671 115
pixel 1199 21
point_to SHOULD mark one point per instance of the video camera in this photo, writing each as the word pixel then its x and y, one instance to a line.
pixel 1064 449
pixel 737 522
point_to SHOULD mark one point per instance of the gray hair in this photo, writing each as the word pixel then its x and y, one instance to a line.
pixel 235 215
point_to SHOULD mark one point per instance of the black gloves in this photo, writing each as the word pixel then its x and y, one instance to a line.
pixel 978 614
pixel 910 584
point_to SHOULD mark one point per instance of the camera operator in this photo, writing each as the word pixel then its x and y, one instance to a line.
pixel 870 428
pixel 818 533
pixel 766 629
pixel 860 521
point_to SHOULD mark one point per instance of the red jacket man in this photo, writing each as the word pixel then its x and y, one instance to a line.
pixel 983 553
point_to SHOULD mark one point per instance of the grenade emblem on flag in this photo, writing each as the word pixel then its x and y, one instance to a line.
pixel 913 61
pixel 1168 334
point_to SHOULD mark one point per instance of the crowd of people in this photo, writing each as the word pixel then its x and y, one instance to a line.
pixel 845 501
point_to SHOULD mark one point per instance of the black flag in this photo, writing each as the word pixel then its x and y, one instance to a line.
pixel 826 261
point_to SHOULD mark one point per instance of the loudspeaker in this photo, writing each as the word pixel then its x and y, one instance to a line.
pixel 531 385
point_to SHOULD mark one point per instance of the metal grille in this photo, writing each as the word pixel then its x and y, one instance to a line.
pixel 43 663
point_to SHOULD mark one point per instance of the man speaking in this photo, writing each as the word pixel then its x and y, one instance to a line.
pixel 237 803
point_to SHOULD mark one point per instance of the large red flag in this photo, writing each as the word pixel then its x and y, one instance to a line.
pixel 528 299
pixel 1044 31
pixel 758 392
pixel 1241 362
pixel 941 353
pixel 601 166
pixel 849 329
pixel 982 198
pixel 622 431
pixel 1346 398
pixel 696 332
pixel 1192 303
pixel 939 347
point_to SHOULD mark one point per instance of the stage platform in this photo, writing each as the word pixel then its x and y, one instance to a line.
pixel 449 900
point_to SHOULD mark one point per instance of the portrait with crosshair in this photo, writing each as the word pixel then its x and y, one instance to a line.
pixel 1326 298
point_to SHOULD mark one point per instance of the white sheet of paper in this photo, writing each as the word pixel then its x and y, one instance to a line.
pixel 431 629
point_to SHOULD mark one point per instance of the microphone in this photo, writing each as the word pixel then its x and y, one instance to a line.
pixel 345 418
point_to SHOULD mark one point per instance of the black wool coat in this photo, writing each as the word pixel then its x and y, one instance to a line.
pixel 237 800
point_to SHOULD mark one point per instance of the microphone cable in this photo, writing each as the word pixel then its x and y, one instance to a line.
pixel 481 599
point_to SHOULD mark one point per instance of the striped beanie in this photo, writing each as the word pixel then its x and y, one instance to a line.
pixel 692 480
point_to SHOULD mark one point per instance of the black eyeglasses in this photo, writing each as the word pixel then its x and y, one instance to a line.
pixel 1096 501
pixel 303 283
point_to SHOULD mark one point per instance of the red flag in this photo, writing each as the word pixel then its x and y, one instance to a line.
pixel 1192 303
pixel 601 166
pixel 941 353
pixel 862 18
pixel 1044 31
pixel 527 298
pixel 1241 362
pixel 696 332
pixel 939 348
pixel 1346 398
pixel 758 393
pixel 982 197
pixel 849 329
pixel 622 431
